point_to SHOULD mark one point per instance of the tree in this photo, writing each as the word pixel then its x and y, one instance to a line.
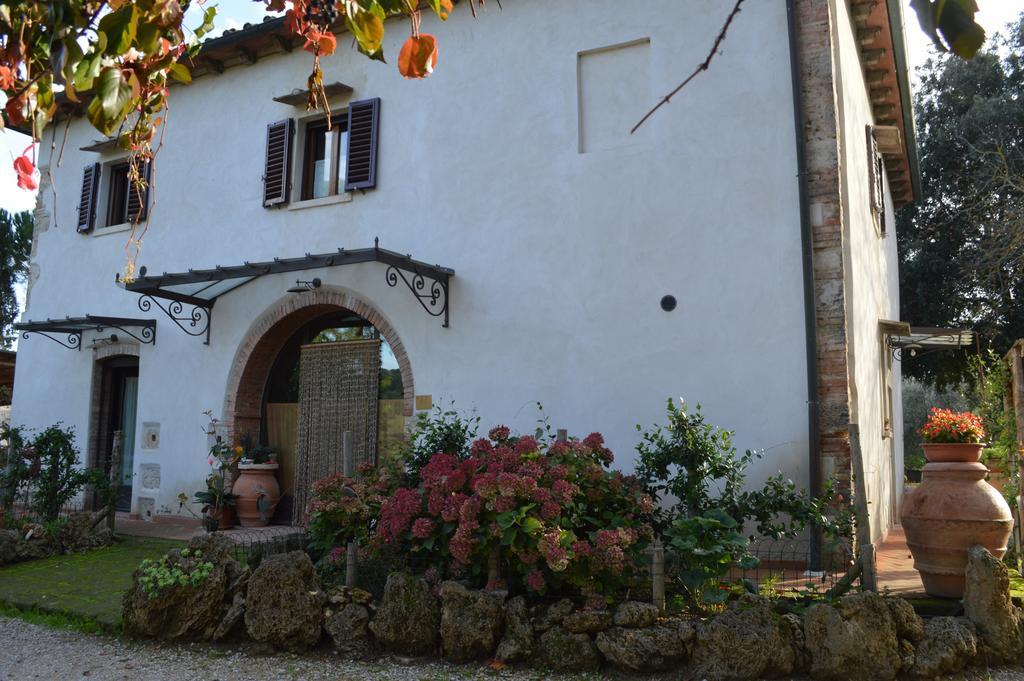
pixel 962 244
pixel 15 244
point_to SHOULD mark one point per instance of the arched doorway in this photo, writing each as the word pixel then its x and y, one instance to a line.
pixel 262 405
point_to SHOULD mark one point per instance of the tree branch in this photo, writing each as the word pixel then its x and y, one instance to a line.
pixel 703 66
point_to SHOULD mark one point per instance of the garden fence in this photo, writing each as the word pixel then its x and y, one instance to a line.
pixel 24 501
pixel 782 567
pixel 253 545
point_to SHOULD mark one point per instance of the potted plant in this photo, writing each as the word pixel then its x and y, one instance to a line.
pixel 217 502
pixel 218 499
pixel 952 436
pixel 257 487
pixel 954 507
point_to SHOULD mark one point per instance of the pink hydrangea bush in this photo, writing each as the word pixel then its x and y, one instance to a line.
pixel 343 509
pixel 553 513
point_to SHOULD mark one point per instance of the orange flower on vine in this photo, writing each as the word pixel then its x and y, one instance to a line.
pixel 26 170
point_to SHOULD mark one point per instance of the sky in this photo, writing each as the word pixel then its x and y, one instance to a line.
pixel 233 14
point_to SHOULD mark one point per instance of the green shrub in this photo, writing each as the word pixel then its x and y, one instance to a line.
pixel 696 464
pixel 441 431
pixel 59 476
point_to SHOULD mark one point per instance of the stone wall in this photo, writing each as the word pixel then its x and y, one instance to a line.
pixel 77 532
pixel 862 636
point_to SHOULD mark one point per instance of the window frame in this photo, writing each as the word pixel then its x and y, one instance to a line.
pixel 876 183
pixel 887 382
pixel 336 181
pixel 114 170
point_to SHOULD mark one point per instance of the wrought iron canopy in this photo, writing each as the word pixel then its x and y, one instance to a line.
pixel 917 341
pixel 142 330
pixel 200 289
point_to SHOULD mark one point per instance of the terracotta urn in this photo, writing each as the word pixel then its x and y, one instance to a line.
pixel 950 511
pixel 256 486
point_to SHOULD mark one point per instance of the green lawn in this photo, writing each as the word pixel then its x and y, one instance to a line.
pixel 84 585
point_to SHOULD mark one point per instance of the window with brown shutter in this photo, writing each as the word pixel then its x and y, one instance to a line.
pixel 125 202
pixel 278 167
pixel 363 135
pixel 87 199
pixel 876 182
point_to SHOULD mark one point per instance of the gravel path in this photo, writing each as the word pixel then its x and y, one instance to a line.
pixel 28 651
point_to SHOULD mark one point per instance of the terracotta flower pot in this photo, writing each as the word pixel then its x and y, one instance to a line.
pixel 227 517
pixel 940 452
pixel 950 511
pixel 256 485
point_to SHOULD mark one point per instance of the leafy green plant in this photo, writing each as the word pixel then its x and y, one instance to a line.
pixel 60 476
pixel 696 464
pixel 215 498
pixel 769 586
pixel 261 454
pixel 440 431
pixel 185 569
pixel 993 397
pixel 709 545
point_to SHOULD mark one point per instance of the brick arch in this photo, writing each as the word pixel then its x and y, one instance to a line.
pixel 116 350
pixel 268 334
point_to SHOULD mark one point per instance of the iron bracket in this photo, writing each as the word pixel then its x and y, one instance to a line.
pixel 195 322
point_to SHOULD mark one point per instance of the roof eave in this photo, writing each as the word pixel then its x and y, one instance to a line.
pixel 895 10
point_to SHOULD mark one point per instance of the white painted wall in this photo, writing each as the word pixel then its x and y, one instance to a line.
pixel 561 257
pixel 872 287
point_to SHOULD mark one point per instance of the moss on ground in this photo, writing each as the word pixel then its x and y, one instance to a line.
pixel 85 587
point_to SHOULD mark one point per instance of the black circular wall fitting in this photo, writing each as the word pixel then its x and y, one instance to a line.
pixel 668 303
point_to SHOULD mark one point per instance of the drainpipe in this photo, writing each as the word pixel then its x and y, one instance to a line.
pixel 810 316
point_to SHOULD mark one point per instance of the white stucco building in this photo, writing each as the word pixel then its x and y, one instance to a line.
pixel 760 202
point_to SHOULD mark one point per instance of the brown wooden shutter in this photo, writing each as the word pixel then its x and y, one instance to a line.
pixel 874 176
pixel 278 169
pixel 137 202
pixel 87 199
pixel 876 182
pixel 363 135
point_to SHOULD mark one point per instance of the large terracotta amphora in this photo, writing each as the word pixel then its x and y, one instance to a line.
pixel 258 494
pixel 950 511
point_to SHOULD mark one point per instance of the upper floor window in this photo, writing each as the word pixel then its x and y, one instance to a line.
pixel 876 182
pixel 330 160
pixel 325 151
pixel 109 196
pixel 117 194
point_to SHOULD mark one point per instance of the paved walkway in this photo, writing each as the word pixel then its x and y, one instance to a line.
pixel 164 527
pixel 895 566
